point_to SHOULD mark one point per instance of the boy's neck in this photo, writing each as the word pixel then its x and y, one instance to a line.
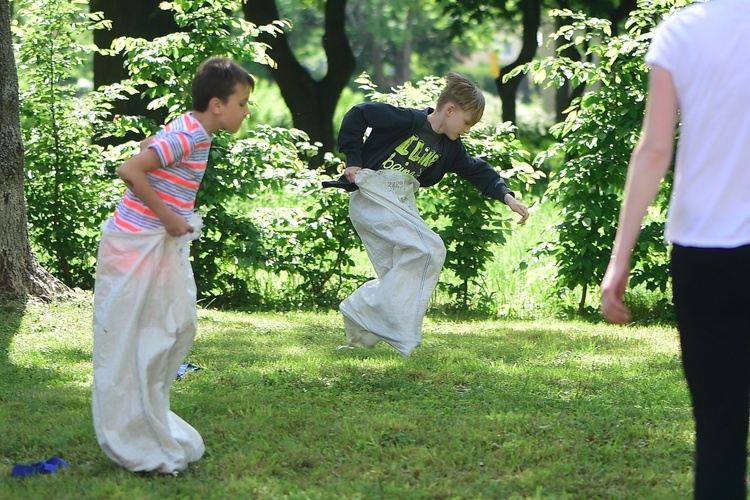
pixel 436 121
pixel 207 120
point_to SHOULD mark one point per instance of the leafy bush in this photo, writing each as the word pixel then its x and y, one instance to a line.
pixel 236 243
pixel 312 240
pixel 596 140
pixel 272 237
pixel 68 191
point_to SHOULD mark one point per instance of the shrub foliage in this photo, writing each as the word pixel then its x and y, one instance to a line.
pixel 272 236
pixel 596 140
pixel 67 187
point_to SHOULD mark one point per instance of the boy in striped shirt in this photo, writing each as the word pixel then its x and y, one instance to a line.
pixel 145 296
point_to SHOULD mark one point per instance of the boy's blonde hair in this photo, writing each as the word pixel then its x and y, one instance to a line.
pixel 464 92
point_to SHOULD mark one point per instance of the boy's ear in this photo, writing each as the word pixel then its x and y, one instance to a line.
pixel 450 108
pixel 214 105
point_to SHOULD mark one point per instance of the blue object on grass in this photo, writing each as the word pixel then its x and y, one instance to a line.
pixel 185 368
pixel 47 467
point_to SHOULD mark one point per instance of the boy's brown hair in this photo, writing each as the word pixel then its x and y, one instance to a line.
pixel 218 77
pixel 464 92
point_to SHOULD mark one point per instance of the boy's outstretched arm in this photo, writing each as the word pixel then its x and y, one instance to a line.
pixel 517 207
pixel 133 173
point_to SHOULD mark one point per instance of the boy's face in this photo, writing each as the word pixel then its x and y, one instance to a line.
pixel 457 121
pixel 235 110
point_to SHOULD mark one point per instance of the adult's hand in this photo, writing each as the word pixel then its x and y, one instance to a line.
pixel 613 287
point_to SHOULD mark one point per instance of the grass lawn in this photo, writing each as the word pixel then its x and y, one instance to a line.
pixel 483 409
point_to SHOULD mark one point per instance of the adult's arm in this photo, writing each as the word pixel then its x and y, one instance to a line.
pixel 648 165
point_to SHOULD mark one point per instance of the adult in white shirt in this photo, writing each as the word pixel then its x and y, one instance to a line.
pixel 700 73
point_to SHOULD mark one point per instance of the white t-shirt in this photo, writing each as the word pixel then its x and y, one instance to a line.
pixel 706 49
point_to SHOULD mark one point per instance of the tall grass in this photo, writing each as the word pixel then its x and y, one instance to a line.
pixel 519 283
pixel 524 282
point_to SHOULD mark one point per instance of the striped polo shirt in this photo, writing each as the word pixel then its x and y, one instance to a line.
pixel 183 146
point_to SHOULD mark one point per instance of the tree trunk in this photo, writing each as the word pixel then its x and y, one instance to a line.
pixel 378 75
pixel 133 18
pixel 507 90
pixel 403 71
pixel 582 302
pixel 312 103
pixel 621 12
pixel 20 273
pixel 565 94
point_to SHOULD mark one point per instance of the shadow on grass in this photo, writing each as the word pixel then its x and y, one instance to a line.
pixel 11 314
pixel 481 409
pixel 41 413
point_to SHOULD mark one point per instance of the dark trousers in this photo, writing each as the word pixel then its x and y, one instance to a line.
pixel 712 301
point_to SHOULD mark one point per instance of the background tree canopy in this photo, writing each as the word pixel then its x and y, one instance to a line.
pixel 269 220
pixel 394 41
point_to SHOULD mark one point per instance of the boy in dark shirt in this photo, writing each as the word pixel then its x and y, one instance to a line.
pixel 406 149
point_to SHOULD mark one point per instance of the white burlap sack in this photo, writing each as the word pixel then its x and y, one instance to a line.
pixel 406 254
pixel 144 325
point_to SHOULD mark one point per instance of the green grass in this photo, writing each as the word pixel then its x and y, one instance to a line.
pixel 483 409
